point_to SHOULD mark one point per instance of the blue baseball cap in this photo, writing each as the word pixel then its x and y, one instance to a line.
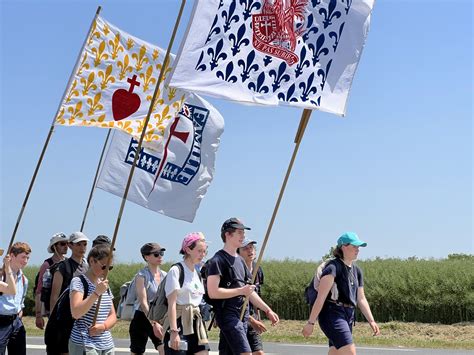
pixel 350 238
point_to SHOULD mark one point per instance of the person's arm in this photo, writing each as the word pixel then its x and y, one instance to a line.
pixel 98 329
pixel 55 289
pixel 365 309
pixel 258 326
pixel 8 287
pixel 325 285
pixel 80 306
pixel 174 331
pixel 217 292
pixel 258 302
pixel 141 293
pixel 39 321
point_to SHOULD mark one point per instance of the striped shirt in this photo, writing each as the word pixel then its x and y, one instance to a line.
pixel 80 330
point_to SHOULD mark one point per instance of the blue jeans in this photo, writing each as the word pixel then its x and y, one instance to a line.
pixel 12 336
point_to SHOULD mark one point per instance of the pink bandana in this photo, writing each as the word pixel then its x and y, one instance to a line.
pixel 191 238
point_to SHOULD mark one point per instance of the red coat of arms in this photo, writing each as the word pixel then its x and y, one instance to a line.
pixel 274 29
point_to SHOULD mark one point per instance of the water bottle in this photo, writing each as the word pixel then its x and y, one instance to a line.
pixel 47 279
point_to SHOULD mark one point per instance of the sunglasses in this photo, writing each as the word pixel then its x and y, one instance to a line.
pixel 103 267
pixel 158 254
pixel 63 244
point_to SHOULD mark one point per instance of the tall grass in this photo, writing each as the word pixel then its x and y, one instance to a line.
pixel 428 291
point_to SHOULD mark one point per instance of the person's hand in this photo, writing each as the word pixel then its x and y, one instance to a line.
pixel 102 286
pixel 96 330
pixel 375 328
pixel 6 261
pixel 272 316
pixel 258 326
pixel 174 341
pixel 158 330
pixel 39 322
pixel 247 290
pixel 307 330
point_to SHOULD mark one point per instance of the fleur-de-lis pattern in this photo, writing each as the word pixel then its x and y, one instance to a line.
pixel 222 42
pixel 109 61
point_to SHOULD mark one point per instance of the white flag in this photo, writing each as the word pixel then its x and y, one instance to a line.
pixel 274 52
pixel 173 181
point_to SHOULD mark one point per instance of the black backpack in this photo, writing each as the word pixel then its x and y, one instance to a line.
pixel 228 274
pixel 60 321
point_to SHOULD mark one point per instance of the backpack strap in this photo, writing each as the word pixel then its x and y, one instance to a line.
pixel 85 284
pixel 181 273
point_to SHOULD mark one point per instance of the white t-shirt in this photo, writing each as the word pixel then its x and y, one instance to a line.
pixel 192 290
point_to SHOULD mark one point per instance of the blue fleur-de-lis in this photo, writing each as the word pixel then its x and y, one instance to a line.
pixel 249 5
pixel 308 88
pixel 303 63
pixel 199 66
pixel 336 36
pixel 228 71
pixel 247 66
pixel 279 76
pixel 221 3
pixel 348 6
pixel 315 2
pixel 323 74
pixel 267 60
pixel 318 50
pixel 216 54
pixel 329 14
pixel 260 88
pixel 239 40
pixel 214 29
pixel 316 103
pixel 229 16
pixel 312 29
pixel 289 94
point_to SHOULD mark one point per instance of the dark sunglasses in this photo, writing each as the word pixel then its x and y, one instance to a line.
pixel 63 244
pixel 103 267
pixel 157 254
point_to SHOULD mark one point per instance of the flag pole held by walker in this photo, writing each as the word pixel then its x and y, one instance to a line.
pixel 298 138
pixel 48 138
pixel 139 148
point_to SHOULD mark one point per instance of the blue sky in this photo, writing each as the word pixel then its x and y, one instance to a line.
pixel 397 169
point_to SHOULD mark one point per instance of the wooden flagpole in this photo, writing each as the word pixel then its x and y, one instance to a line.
pixel 48 138
pixel 95 180
pixel 139 148
pixel 298 138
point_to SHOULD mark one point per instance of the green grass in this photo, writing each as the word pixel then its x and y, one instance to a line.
pixel 394 334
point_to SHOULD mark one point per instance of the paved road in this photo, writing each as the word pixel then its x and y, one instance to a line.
pixel 36 346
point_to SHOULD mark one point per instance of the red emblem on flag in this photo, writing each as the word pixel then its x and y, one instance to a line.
pixel 274 29
pixel 125 103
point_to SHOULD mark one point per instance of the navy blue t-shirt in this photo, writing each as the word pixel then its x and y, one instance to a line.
pixel 220 264
pixel 348 280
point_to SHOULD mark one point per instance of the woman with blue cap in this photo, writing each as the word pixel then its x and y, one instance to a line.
pixel 335 307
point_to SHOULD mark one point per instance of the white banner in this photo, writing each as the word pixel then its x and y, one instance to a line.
pixel 300 53
pixel 173 181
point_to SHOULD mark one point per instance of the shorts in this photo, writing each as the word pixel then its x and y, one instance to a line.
pixel 192 339
pixel 336 323
pixel 233 336
pixel 254 339
pixel 140 330
pixel 77 349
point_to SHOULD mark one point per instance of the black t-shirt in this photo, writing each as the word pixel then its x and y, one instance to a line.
pixel 222 264
pixel 69 271
pixel 259 280
pixel 348 280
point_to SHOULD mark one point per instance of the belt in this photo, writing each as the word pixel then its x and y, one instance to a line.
pixel 8 317
pixel 341 304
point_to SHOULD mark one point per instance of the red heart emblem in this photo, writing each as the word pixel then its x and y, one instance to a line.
pixel 124 104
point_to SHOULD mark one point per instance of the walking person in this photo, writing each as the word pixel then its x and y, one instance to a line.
pixel 187 332
pixel 248 252
pixel 336 317
pixel 12 330
pixel 8 282
pixel 67 269
pixel 227 279
pixel 147 281
pixel 87 338
pixel 58 246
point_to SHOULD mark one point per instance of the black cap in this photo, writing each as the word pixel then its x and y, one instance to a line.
pixel 233 223
pixel 100 240
pixel 150 248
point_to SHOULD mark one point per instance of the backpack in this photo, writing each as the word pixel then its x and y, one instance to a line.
pixel 311 291
pixel 60 321
pixel 66 278
pixel 228 273
pixel 128 297
pixel 159 305
pixel 50 262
